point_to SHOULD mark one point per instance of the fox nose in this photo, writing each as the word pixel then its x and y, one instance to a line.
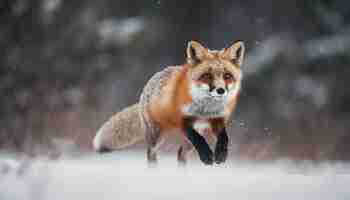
pixel 220 91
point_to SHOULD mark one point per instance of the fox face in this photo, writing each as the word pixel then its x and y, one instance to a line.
pixel 214 76
pixel 215 79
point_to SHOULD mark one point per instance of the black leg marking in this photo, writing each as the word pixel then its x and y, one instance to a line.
pixel 104 150
pixel 180 156
pixel 152 149
pixel 221 147
pixel 152 140
pixel 151 156
pixel 199 143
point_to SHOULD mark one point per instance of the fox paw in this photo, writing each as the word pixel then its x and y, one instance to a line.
pixel 220 156
pixel 207 158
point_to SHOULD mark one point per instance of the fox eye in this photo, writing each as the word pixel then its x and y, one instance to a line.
pixel 228 76
pixel 206 77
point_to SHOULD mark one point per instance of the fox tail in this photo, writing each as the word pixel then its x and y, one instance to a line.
pixel 122 130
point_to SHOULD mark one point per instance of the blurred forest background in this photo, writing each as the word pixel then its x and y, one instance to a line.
pixel 67 66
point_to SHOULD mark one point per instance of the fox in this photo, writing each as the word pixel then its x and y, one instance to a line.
pixel 193 101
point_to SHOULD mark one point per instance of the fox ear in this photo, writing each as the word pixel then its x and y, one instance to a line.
pixel 235 53
pixel 195 52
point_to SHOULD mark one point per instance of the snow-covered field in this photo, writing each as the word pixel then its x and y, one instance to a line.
pixel 125 175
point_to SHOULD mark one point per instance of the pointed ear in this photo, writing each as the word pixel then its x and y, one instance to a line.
pixel 235 53
pixel 195 52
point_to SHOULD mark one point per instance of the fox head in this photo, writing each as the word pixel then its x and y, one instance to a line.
pixel 214 73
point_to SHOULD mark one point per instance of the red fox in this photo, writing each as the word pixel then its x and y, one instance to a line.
pixel 192 101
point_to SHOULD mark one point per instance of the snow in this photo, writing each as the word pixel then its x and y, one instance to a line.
pixel 125 175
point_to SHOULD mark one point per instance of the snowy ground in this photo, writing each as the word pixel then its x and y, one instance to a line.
pixel 125 175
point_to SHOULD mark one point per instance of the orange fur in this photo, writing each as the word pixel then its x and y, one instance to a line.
pixel 166 110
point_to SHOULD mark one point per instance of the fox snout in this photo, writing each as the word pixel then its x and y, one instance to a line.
pixel 218 87
pixel 218 92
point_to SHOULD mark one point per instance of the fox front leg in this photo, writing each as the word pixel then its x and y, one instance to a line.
pixel 199 143
pixel 221 146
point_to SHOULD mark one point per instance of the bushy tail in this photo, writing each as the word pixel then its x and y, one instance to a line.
pixel 121 130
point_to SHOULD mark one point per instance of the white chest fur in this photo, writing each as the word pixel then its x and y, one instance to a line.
pixel 202 127
pixel 205 108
